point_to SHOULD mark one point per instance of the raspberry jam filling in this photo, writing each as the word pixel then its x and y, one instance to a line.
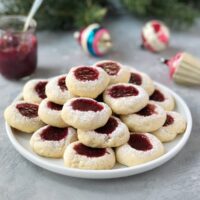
pixel 54 133
pixel 61 83
pixel 40 89
pixel 54 106
pixel 28 109
pixel 110 67
pixel 157 96
pixel 109 127
pixel 123 91
pixel 81 149
pixel 169 120
pixel 147 111
pixel 140 142
pixel 86 105
pixel 86 73
pixel 135 79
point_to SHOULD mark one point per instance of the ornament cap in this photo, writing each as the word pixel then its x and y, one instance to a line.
pixel 76 35
pixel 164 60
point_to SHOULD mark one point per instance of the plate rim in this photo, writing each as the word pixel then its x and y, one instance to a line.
pixel 112 173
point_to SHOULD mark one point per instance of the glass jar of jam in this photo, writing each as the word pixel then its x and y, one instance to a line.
pixel 18 48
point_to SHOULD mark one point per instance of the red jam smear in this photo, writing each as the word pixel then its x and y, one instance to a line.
pixel 157 96
pixel 140 142
pixel 169 120
pixel 18 57
pixel 123 91
pixel 81 149
pixel 109 127
pixel 28 109
pixel 110 67
pixel 86 105
pixel 147 111
pixel 135 79
pixel 61 83
pixel 53 133
pixel 40 89
pixel 86 73
pixel 54 106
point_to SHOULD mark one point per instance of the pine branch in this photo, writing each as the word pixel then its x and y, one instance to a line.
pixel 67 14
pixel 59 14
pixel 178 13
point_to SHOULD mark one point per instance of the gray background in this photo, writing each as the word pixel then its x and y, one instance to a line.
pixel 178 179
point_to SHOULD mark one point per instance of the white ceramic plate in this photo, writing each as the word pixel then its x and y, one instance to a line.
pixel 21 142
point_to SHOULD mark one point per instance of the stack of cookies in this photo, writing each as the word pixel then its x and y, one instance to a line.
pixel 95 116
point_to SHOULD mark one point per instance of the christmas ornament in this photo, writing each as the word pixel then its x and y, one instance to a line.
pixel 184 68
pixel 155 36
pixel 94 40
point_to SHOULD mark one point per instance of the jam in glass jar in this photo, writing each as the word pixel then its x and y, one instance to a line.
pixel 18 48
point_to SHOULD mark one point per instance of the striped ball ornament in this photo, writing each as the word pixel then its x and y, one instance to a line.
pixel 94 40
pixel 155 36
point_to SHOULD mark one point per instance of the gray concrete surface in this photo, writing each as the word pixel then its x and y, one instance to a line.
pixel 177 179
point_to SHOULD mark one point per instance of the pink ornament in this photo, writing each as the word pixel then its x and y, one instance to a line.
pixel 94 40
pixel 184 68
pixel 155 36
pixel 173 63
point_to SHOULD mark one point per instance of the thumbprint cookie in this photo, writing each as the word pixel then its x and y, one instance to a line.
pixel 23 116
pixel 85 113
pixel 150 118
pixel 117 72
pixel 34 90
pixel 57 91
pixel 77 155
pixel 175 124
pixel 143 80
pixel 140 148
pixel 125 98
pixel 50 113
pixel 51 141
pixel 163 99
pixel 87 81
pixel 114 133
